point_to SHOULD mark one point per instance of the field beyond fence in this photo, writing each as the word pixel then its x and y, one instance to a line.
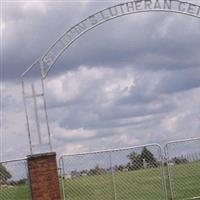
pixel 140 185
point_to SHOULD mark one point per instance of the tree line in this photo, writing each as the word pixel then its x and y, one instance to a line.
pixel 137 161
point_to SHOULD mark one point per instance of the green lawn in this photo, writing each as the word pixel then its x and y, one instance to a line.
pixel 140 185
pixel 15 193
pixel 134 185
pixel 187 181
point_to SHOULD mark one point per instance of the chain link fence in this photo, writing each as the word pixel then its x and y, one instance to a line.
pixel 122 174
pixel 14 183
pixel 183 161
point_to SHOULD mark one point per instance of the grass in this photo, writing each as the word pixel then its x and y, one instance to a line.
pixel 137 185
pixel 140 185
pixel 134 185
pixel 187 180
pixel 15 193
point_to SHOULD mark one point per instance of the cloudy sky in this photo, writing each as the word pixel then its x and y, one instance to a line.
pixel 131 81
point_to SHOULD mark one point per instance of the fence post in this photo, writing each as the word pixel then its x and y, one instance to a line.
pixel 43 176
pixel 113 177
pixel 62 169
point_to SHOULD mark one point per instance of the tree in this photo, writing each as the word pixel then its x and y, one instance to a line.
pixel 97 171
pixel 181 160
pixel 4 174
pixel 136 161
pixel 148 157
pixel 21 181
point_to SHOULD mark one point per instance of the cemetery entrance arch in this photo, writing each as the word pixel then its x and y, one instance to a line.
pixel 43 65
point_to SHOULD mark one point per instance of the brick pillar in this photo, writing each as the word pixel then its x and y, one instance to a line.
pixel 43 176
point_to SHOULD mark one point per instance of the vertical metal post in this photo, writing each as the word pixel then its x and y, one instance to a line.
pixel 113 177
pixel 36 114
pixel 162 173
pixel 46 114
pixel 27 119
pixel 63 177
pixel 169 171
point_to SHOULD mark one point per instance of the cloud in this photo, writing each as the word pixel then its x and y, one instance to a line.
pixel 181 80
pixel 131 81
pixel 69 134
pixel 70 149
pixel 152 42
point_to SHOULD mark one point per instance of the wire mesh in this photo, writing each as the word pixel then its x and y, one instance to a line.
pixel 183 158
pixel 123 174
pixel 14 183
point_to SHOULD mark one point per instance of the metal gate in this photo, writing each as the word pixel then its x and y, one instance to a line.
pixel 183 161
pixel 121 174
pixel 14 182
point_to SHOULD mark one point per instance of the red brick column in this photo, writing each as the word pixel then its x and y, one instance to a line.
pixel 43 176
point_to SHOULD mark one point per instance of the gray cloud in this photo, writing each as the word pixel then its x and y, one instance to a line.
pixel 131 81
pixel 180 80
pixel 155 41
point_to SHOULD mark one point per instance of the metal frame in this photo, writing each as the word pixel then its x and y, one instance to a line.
pixel 14 160
pixel 110 151
pixel 34 96
pixel 44 72
pixel 165 157
pixel 69 37
pixel 169 168
pixel 113 177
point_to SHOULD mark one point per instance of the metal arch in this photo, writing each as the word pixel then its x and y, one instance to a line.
pixel 59 41
pixel 70 36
